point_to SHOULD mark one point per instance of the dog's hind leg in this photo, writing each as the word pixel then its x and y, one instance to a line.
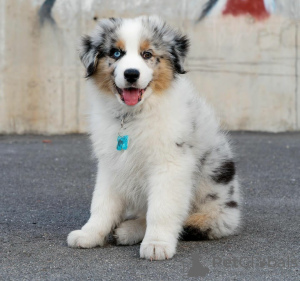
pixel 130 232
pixel 216 215
pixel 201 226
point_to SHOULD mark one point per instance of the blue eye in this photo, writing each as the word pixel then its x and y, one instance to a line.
pixel 117 54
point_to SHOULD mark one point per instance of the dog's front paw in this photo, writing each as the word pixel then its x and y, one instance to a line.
pixel 84 239
pixel 157 250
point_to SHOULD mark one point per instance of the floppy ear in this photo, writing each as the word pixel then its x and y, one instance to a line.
pixel 180 47
pixel 176 44
pixel 93 48
pixel 88 55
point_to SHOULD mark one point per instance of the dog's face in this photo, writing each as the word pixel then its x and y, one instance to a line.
pixel 133 58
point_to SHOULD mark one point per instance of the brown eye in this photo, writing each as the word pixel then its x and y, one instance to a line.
pixel 147 55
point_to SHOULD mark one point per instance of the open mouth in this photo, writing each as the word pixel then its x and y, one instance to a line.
pixel 131 96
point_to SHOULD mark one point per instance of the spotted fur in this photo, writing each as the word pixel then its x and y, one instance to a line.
pixel 177 178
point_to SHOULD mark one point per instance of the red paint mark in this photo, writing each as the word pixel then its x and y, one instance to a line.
pixel 255 8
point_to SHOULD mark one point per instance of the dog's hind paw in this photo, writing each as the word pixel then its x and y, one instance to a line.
pixel 130 232
pixel 83 239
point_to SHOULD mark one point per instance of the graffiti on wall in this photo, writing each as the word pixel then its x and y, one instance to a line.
pixel 258 9
pixel 45 11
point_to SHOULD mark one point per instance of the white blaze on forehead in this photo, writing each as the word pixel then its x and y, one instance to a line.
pixel 130 32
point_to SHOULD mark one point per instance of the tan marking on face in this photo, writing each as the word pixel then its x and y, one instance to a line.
pixel 104 76
pixel 197 220
pixel 120 45
pixel 162 76
pixel 145 45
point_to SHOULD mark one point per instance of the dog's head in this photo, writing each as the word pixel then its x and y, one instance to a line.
pixel 133 58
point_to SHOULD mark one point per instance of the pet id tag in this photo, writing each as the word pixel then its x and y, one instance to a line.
pixel 122 143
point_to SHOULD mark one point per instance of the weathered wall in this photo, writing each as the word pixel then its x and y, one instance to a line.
pixel 247 67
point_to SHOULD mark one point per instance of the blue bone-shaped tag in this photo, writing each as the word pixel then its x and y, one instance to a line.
pixel 122 142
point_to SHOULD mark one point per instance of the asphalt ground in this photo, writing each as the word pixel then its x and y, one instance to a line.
pixel 46 189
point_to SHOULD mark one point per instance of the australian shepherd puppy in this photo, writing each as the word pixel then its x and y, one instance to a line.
pixel 165 169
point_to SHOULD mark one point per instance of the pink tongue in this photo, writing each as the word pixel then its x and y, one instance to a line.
pixel 131 96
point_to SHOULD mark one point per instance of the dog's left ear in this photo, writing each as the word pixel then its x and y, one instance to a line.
pixel 93 48
pixel 180 47
pixel 88 55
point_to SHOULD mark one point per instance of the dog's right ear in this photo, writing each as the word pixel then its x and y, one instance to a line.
pixel 88 55
pixel 92 48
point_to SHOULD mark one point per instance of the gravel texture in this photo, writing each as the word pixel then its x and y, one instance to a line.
pixel 45 192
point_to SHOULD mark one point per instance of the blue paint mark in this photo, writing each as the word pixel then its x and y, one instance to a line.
pixel 207 8
pixel 45 12
pixel 270 6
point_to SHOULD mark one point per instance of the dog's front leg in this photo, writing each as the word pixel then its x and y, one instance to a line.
pixel 106 210
pixel 168 206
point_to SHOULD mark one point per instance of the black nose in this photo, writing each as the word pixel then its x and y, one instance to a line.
pixel 131 75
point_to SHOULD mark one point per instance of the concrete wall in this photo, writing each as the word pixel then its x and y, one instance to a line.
pixel 247 67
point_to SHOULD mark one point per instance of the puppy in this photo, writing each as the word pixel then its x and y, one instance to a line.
pixel 165 169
